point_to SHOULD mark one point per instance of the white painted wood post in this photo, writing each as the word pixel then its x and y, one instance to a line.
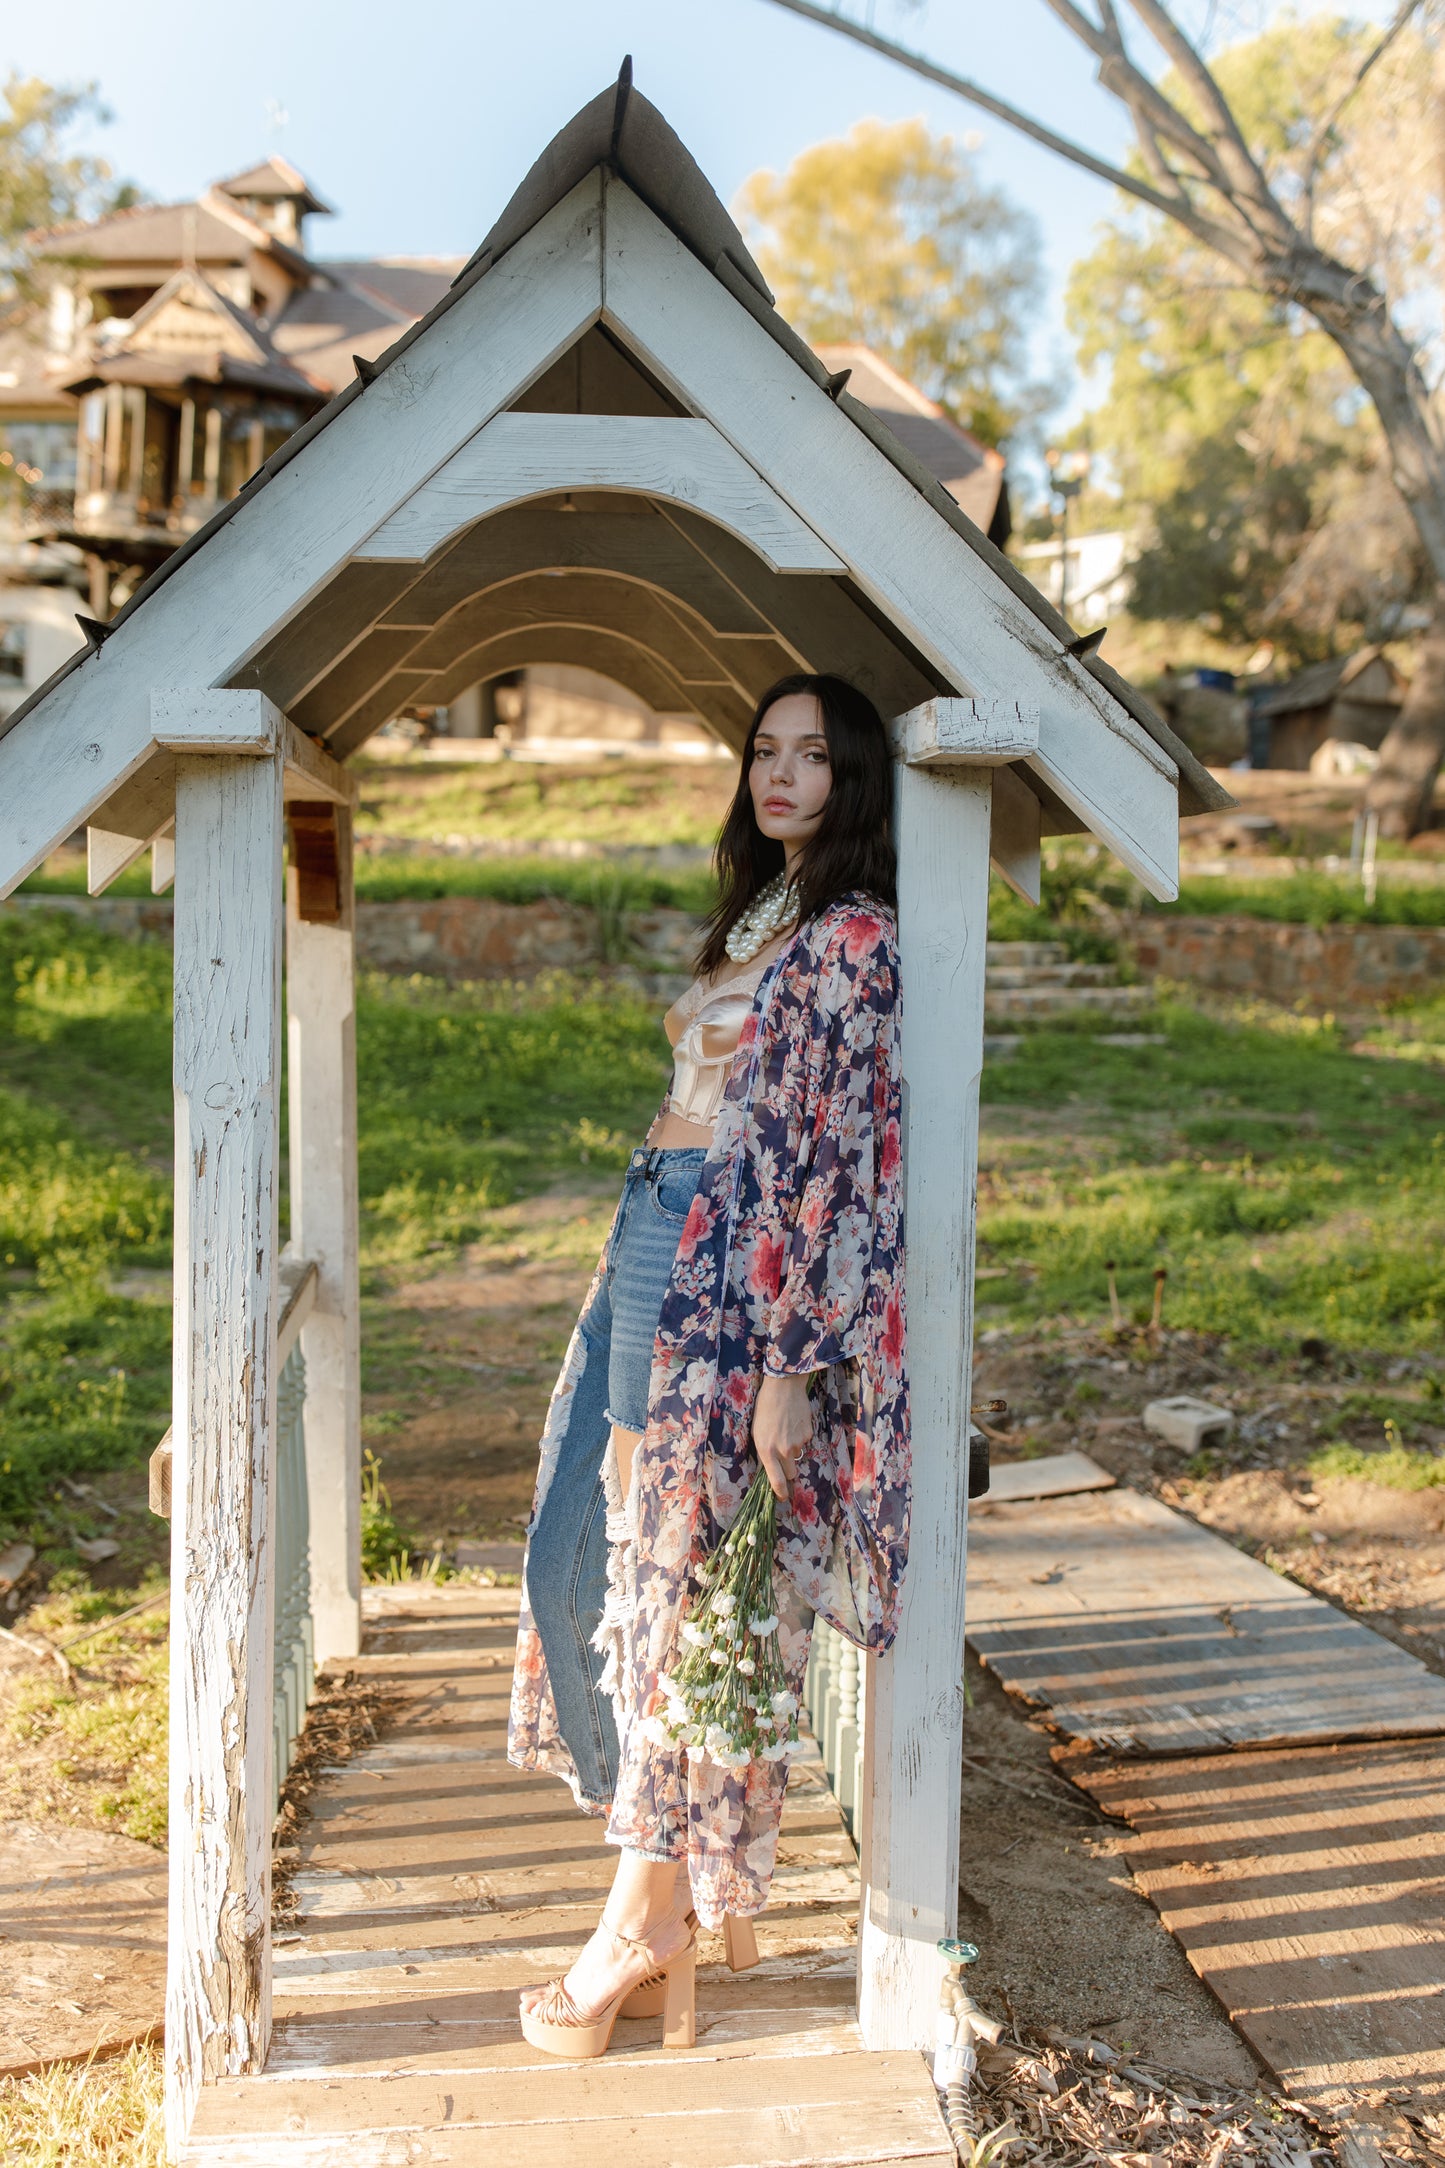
pixel 227 1068
pixel 914 1710
pixel 321 1027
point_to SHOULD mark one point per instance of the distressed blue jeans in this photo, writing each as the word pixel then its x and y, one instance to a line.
pixel 567 1553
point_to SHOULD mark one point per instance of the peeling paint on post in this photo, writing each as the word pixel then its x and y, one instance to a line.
pixel 227 1073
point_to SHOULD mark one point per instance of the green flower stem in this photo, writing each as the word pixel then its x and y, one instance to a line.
pixel 739 1703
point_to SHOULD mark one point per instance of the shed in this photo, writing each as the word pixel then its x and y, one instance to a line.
pixel 602 444
pixel 1355 698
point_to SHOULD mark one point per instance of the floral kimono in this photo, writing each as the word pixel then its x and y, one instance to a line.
pixel 791 1261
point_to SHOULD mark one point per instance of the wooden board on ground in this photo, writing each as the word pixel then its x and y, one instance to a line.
pixel 1136 1628
pixel 83 1953
pixel 1307 1887
pixel 1052 1475
pixel 436 1881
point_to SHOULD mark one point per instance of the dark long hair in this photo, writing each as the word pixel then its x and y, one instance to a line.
pixel 852 846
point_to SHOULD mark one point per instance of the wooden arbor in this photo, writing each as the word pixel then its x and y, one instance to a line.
pixel 606 447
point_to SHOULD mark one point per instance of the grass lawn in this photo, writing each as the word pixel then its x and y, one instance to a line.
pixel 622 801
pixel 1290 1185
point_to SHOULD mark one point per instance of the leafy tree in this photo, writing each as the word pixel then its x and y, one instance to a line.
pixel 42 182
pixel 1233 426
pixel 1262 204
pixel 889 237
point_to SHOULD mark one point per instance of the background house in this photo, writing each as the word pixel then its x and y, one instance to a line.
pixel 1353 699
pixel 173 348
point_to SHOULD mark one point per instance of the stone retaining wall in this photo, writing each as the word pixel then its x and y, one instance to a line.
pixel 455 938
pixel 1338 968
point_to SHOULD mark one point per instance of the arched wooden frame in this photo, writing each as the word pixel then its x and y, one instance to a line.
pixel 689 667
pixel 517 456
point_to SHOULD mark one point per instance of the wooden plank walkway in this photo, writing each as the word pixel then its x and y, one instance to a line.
pixel 1137 1629
pixel 436 1881
pixel 1307 1887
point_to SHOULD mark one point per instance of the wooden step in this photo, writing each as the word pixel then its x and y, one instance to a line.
pixel 436 1881
pixel 1010 1005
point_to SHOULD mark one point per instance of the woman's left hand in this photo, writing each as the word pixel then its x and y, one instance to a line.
pixel 782 1427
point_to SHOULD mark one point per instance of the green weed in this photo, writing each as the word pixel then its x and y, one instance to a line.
pixel 1312 899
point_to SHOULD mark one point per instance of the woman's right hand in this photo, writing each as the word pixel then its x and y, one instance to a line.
pixel 782 1430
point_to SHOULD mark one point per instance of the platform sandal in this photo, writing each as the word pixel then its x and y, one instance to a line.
pixel 740 1945
pixel 558 2027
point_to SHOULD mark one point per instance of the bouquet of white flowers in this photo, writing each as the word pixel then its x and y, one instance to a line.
pixel 727 1697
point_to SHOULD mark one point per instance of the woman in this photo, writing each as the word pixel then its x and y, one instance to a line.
pixel 748 1311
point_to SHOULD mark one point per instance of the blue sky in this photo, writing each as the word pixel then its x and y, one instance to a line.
pixel 417 120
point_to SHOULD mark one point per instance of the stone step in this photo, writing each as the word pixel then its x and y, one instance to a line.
pixel 1026 953
pixel 1011 1004
pixel 1051 975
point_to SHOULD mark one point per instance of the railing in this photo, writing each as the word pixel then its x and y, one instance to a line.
pixel 294 1668
pixel 294 1671
pixel 294 1664
pixel 833 1694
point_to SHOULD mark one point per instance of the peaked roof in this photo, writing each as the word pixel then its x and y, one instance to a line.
pixel 621 135
pixel 275 179
pixel 236 351
pixel 621 131
pixel 1317 684
pixel 154 233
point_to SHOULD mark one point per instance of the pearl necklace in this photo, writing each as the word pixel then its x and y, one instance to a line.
pixel 763 920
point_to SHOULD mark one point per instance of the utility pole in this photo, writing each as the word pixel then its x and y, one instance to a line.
pixel 1068 472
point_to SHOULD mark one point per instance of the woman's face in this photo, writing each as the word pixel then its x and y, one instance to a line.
pixel 790 777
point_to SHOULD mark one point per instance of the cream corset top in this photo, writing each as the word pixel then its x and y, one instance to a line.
pixel 705 1026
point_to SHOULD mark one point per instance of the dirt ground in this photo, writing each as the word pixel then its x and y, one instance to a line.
pixel 1065 1939
pixel 1312 814
pixel 458 1445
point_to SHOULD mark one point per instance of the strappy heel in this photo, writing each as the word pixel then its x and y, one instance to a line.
pixel 558 2027
pixel 740 1944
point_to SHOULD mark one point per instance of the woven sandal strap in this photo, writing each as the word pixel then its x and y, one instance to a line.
pixel 558 2008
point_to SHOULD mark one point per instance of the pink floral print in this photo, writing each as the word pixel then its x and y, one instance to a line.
pixel 791 1261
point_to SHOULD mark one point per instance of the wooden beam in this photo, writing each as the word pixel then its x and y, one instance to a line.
pixel 580 598
pixel 312 773
pixel 129 821
pixel 542 538
pixel 1014 834
pixel 518 456
pixel 702 345
pixel 640 668
pixel 205 720
pixel 281 545
pixel 227 1070
pixel 321 1099
pixel 915 1693
pixel 163 860
pixel 966 733
pixel 819 620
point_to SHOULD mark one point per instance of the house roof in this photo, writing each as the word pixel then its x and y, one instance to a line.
pixel 408 284
pixel 221 344
pixel 154 233
pixel 971 472
pixel 1320 682
pixel 620 135
pixel 277 180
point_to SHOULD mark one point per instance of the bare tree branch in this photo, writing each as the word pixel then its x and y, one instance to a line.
pixel 1235 155
pixel 1147 104
pixel 1327 126
pixel 1178 205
